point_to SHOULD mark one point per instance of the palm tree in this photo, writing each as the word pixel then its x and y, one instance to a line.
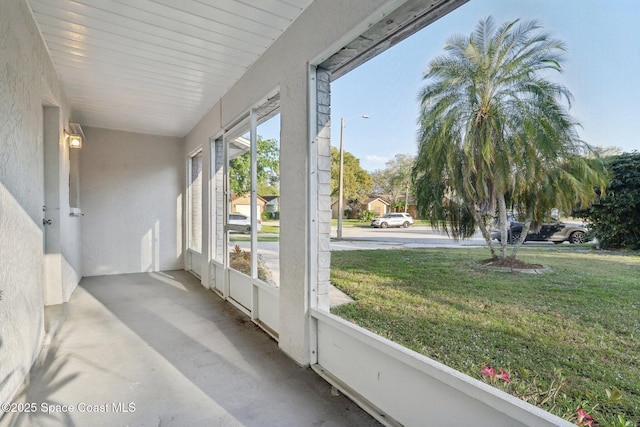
pixel 494 133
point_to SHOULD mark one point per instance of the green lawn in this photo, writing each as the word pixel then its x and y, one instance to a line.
pixel 245 238
pixel 351 223
pixel 582 318
pixel 266 228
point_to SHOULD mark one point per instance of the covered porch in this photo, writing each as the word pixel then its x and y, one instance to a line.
pixel 131 231
pixel 149 349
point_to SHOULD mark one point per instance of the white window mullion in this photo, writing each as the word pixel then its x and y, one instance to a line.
pixel 254 193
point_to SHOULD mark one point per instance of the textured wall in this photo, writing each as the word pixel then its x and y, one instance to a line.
pixel 131 195
pixel 27 83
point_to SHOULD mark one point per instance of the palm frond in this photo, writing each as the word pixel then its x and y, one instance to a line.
pixel 494 127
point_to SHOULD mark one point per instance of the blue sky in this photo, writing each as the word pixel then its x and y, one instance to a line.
pixel 602 70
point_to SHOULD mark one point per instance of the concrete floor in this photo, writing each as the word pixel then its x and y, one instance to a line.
pixel 157 349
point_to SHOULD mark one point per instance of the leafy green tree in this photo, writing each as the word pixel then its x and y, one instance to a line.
pixel 357 182
pixel 268 169
pixel 615 218
pixel 395 179
pixel 494 132
pixel 265 189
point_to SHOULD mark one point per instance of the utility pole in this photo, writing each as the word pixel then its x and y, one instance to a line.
pixel 341 176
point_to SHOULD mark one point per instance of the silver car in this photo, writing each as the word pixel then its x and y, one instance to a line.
pixel 242 223
pixel 397 219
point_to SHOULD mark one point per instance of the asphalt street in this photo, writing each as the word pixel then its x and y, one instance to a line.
pixel 416 236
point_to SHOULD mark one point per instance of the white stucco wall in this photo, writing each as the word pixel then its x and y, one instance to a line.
pixel 131 195
pixel 28 82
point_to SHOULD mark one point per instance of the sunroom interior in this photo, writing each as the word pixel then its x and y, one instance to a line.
pixel 165 95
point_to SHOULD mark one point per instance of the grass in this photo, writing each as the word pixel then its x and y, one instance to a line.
pixel 273 229
pixel 582 318
pixel 246 238
pixel 266 229
pixel 346 223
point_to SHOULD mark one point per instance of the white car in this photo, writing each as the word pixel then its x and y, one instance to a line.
pixel 396 219
pixel 242 223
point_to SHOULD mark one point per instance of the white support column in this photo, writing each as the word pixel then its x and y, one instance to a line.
pixel 305 214
pixel 205 269
pixel 313 215
pixel 323 185
pixel 294 217
pixel 319 198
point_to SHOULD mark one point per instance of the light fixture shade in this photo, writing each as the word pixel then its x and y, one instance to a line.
pixel 75 141
pixel 75 136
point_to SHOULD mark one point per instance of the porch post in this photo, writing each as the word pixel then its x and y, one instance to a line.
pixel 294 217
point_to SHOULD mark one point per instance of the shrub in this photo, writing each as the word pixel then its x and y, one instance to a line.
pixel 615 218
pixel 366 216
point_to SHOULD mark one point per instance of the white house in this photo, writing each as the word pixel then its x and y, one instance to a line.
pixel 162 91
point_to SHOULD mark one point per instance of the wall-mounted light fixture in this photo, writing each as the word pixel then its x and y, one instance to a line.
pixel 75 141
pixel 75 136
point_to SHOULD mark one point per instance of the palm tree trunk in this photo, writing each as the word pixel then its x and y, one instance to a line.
pixel 503 225
pixel 483 229
pixel 523 235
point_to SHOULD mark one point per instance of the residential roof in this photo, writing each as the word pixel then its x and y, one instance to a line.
pixel 373 199
pixel 236 197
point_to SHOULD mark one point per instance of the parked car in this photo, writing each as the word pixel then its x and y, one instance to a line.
pixel 556 232
pixel 393 220
pixel 242 223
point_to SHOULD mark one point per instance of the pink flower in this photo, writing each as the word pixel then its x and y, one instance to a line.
pixel 488 372
pixel 504 375
pixel 584 419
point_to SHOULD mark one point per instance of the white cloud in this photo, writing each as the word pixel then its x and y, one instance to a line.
pixel 372 158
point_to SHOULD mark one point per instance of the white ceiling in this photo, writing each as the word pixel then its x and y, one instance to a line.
pixel 156 66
